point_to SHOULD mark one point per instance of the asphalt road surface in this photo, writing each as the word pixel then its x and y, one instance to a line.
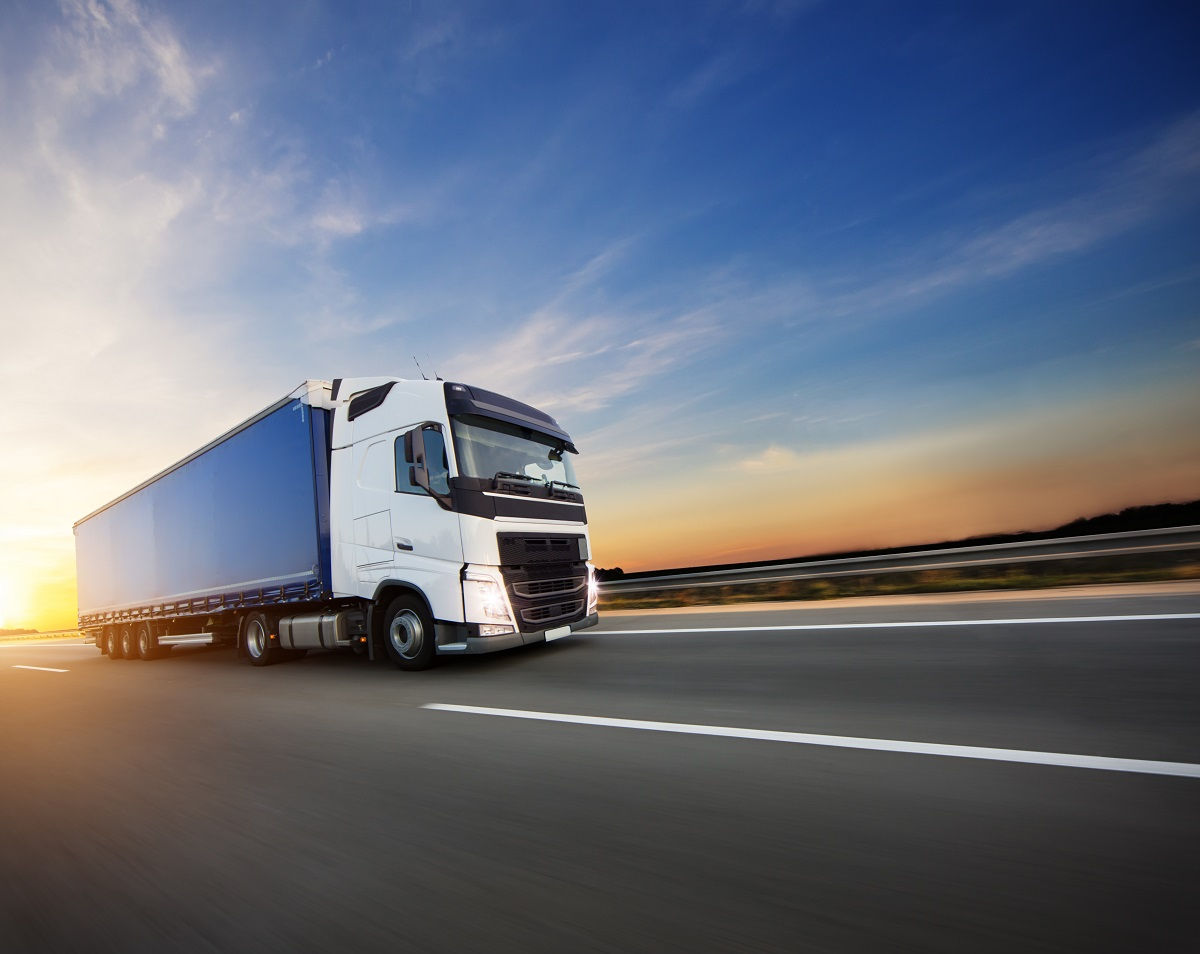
pixel 195 803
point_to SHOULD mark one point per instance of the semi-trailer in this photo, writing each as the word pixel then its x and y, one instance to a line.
pixel 406 519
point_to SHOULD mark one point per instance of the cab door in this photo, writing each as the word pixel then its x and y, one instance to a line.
pixel 374 487
pixel 401 530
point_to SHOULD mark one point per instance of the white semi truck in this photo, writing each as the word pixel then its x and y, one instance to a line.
pixel 399 517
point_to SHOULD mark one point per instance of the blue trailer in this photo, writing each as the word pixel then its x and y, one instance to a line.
pixel 242 522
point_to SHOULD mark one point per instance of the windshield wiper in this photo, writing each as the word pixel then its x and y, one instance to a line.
pixel 509 475
pixel 563 483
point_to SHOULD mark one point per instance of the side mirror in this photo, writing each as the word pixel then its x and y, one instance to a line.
pixel 437 485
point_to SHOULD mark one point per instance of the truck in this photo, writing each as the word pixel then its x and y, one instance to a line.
pixel 403 519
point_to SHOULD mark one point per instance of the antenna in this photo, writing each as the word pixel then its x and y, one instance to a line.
pixel 436 376
pixel 418 364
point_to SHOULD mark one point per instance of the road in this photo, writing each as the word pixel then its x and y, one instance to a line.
pixel 197 804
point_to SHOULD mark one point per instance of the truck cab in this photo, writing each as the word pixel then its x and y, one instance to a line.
pixel 455 518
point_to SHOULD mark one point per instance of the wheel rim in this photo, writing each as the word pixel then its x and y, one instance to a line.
pixel 256 639
pixel 144 642
pixel 406 634
pixel 127 643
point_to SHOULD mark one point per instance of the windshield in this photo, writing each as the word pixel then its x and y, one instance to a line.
pixel 486 448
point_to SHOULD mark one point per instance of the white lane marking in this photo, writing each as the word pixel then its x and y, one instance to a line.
pixel 42 668
pixel 35 645
pixel 907 624
pixel 1182 769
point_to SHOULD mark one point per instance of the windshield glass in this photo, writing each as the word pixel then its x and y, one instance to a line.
pixel 486 448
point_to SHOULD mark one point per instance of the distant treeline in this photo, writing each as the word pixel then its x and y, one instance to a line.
pixel 1151 517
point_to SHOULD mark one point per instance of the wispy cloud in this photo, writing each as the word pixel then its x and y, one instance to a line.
pixel 772 459
pixel 719 71
pixel 109 48
pixel 1159 178
pixel 584 358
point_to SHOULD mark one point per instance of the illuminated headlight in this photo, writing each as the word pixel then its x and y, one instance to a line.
pixel 593 590
pixel 484 599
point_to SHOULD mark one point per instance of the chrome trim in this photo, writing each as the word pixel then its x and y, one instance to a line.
pixel 191 639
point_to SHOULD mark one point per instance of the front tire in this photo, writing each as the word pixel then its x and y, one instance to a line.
pixel 408 634
pixel 256 638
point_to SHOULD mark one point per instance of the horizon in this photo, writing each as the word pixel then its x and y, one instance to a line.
pixel 797 277
pixel 916 545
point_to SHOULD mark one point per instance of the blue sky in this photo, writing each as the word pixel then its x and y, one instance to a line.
pixel 801 267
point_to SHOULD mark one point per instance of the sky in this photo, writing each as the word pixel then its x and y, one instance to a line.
pixel 797 277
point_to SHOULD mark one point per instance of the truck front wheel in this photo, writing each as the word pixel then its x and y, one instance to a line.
pixel 256 637
pixel 409 635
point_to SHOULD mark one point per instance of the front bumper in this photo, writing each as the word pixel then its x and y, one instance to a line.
pixel 474 645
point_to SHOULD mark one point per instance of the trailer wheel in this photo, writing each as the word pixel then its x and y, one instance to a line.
pixel 408 634
pixel 128 643
pixel 256 638
pixel 114 643
pixel 102 641
pixel 147 645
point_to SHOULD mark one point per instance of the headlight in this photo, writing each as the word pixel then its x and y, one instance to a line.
pixel 484 599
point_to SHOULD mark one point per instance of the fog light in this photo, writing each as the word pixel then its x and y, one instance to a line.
pixel 488 629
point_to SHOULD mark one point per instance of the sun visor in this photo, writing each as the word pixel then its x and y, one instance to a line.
pixel 461 399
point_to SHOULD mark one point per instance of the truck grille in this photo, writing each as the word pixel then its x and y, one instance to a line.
pixel 546 578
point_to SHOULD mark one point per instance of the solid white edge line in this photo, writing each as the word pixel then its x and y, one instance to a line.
pixel 35 645
pixel 907 624
pixel 1067 760
pixel 41 668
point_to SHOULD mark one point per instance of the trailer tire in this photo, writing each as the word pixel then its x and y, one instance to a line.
pixel 147 645
pixel 408 634
pixel 256 640
pixel 112 642
pixel 128 643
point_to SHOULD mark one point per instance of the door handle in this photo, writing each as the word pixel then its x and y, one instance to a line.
pixel 403 543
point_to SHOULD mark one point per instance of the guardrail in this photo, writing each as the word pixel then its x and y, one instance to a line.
pixel 1025 551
